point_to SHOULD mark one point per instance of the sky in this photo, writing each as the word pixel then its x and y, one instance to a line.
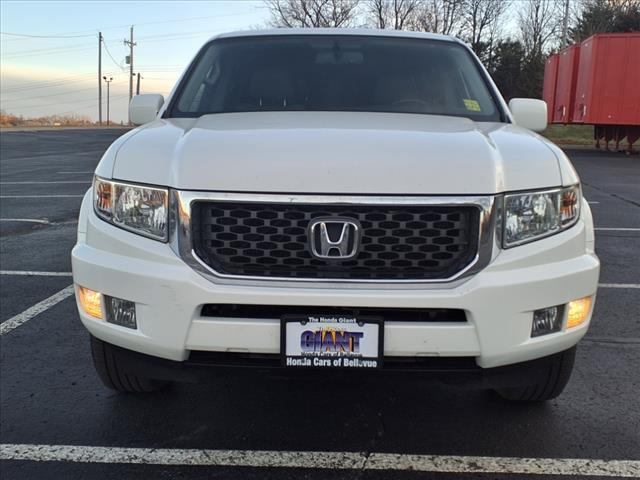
pixel 47 76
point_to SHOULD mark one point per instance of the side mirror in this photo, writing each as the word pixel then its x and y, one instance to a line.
pixel 529 113
pixel 144 108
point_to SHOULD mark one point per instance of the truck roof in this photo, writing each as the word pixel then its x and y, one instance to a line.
pixel 337 31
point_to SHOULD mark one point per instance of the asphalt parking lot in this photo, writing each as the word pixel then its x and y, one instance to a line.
pixel 58 421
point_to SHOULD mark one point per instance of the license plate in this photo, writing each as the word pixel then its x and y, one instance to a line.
pixel 331 341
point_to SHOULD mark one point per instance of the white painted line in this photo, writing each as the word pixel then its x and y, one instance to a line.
pixel 614 340
pixel 41 196
pixel 619 285
pixel 34 183
pixel 607 229
pixel 323 460
pixel 29 313
pixel 76 172
pixel 508 465
pixel 29 220
pixel 36 274
pixel 593 203
pixel 165 456
pixel 37 220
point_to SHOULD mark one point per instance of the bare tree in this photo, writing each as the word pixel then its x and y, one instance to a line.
pixel 439 16
pixel 539 22
pixel 312 13
pixel 480 19
pixel 396 14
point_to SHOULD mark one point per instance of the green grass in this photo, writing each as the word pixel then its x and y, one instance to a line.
pixel 570 134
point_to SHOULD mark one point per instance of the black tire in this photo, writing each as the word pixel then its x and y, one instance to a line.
pixel 554 378
pixel 114 372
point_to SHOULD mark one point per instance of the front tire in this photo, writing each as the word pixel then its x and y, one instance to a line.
pixel 114 373
pixel 554 379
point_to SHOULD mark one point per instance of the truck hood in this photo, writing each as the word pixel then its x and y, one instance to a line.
pixel 337 152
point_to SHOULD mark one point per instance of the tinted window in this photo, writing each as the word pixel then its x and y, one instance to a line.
pixel 335 73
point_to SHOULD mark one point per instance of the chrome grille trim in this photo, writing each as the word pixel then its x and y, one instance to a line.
pixel 181 242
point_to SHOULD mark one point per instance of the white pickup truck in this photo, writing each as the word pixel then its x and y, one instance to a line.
pixel 344 202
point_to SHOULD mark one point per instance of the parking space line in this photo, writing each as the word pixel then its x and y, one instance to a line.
pixel 35 273
pixel 505 465
pixel 41 196
pixel 38 220
pixel 610 229
pixel 38 183
pixel 324 460
pixel 614 340
pixel 619 285
pixel 28 220
pixel 17 320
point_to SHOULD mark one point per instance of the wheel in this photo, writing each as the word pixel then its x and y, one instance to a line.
pixel 555 377
pixel 114 373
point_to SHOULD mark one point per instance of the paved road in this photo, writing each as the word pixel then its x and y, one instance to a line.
pixel 49 394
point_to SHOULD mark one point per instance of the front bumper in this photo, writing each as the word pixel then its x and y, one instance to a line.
pixel 498 301
pixel 459 371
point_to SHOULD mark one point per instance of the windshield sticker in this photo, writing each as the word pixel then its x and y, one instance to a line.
pixel 472 105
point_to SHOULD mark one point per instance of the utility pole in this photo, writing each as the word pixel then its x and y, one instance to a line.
pixel 100 78
pixel 565 24
pixel 108 82
pixel 131 44
pixel 138 84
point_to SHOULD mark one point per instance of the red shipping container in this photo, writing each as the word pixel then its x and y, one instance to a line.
pixel 549 84
pixel 608 83
pixel 566 84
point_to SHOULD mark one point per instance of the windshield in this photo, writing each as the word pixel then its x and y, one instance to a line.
pixel 335 73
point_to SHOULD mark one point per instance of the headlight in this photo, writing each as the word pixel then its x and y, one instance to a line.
pixel 533 215
pixel 140 209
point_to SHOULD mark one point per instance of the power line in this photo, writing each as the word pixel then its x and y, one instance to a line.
pixel 43 36
pixel 41 52
pixel 91 105
pixel 54 94
pixel 49 84
pixel 64 77
pixel 68 102
pixel 113 27
pixel 46 49
pixel 66 49
pixel 111 56
pixel 85 46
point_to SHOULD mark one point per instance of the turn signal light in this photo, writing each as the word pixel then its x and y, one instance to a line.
pixel 578 310
pixel 90 301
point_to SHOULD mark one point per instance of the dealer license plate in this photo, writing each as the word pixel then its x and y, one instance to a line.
pixel 332 341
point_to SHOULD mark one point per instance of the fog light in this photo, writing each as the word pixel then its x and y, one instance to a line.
pixel 120 312
pixel 578 311
pixel 546 320
pixel 90 301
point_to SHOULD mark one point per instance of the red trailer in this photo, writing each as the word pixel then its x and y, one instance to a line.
pixel 566 84
pixel 549 85
pixel 607 92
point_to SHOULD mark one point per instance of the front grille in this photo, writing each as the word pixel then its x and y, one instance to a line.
pixel 398 242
